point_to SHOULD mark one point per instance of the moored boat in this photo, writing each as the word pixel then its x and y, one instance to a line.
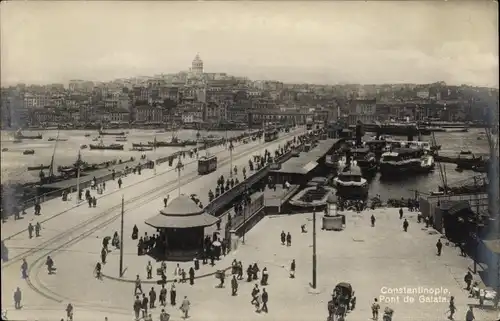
pixel 39 167
pixel 467 160
pixel 101 146
pixel 350 182
pixel 53 139
pixel 121 139
pixel 83 146
pixel 366 160
pixel 140 145
pixel 29 152
pixel 17 141
pixel 405 160
pixel 103 133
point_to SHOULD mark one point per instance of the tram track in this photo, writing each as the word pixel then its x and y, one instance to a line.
pixel 42 246
pixel 42 289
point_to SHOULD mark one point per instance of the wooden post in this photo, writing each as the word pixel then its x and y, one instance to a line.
pixel 314 263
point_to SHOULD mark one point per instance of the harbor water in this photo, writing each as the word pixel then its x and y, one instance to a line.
pixel 14 163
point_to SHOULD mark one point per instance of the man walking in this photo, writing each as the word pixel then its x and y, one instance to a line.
pixel 17 299
pixel 138 285
pixel 439 247
pixel 265 298
pixel 234 286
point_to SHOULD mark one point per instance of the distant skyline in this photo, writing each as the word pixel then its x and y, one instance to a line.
pixel 298 42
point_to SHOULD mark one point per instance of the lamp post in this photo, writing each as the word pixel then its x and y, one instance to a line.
pixel 314 263
pixel 154 147
pixel 179 167
pixel 121 237
pixel 78 164
pixel 231 147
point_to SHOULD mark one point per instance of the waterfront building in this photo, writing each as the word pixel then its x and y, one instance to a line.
pixel 364 110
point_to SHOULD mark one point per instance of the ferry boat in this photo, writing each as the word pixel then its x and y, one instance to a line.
pixel 103 133
pixel 350 182
pixel 366 160
pixel 39 167
pixel 405 160
pixel 101 146
pixel 397 129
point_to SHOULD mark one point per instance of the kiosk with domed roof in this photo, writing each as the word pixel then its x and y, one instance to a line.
pixel 181 225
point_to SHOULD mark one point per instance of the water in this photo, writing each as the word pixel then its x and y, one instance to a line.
pixel 451 144
pixel 14 163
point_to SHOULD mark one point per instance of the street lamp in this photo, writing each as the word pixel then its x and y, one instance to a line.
pixel 332 204
pixel 314 263
pixel 231 147
pixel 179 167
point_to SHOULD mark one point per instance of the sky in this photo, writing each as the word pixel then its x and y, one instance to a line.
pixel 298 42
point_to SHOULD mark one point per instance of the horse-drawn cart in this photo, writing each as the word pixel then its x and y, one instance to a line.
pixel 340 303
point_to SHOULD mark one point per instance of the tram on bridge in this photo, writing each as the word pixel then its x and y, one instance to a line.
pixel 271 135
pixel 207 164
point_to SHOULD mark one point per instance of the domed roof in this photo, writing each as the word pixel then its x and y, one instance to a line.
pixel 197 58
pixel 182 212
pixel 182 206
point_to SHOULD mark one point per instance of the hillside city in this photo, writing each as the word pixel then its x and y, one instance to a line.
pixel 194 97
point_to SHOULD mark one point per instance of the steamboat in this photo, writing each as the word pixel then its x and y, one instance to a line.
pixel 350 183
pixel 405 160
pixel 365 160
pixel 103 133
pixel 101 146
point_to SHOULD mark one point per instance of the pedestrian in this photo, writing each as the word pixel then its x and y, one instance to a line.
pixel 120 183
pixel 469 316
pixel 145 306
pixel 149 270
pixel 152 298
pixel 292 269
pixel 265 298
pixel 17 298
pixel 89 200
pixel 375 309
pixel 185 307
pixel 103 255
pixel 104 185
pixel 400 213
pixel 69 311
pixel 283 237
pixel 138 285
pixel 164 316
pixel 183 275
pixel 234 286
pixel 255 293
pixel 94 201
pixel 163 295
pixel 439 247
pixel 137 307
pixel 38 227
pixel 24 269
pixel 372 218
pixel 288 239
pixel 452 308
pixel 405 225
pixel 173 294
pixel 97 271
pixel 30 230
pixel 191 275
pixel 468 280
pixel 50 264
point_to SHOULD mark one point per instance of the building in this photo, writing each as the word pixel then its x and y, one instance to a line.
pixel 363 110
pixel 192 115
pixel 256 118
pixel 148 114
pixel 36 100
pixel 197 66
